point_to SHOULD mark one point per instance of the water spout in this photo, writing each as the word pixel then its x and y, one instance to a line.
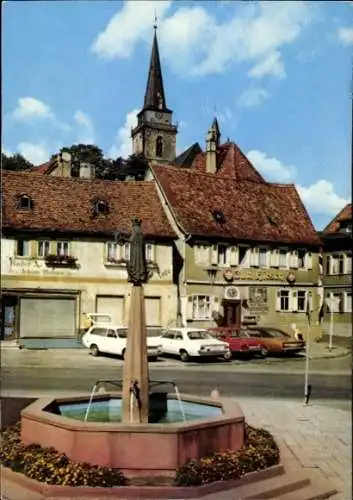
pixel 181 405
pixel 90 401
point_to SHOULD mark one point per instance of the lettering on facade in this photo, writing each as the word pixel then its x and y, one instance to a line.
pixel 32 267
pixel 258 300
pixel 259 275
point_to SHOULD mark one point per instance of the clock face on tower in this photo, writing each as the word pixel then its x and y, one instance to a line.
pixel 159 116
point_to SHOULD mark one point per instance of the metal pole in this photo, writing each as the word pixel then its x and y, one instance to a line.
pixel 307 366
pixel 331 327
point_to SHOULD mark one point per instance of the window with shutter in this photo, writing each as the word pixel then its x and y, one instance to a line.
pixel 301 258
pixel 254 257
pixel 348 267
pixel 308 260
pixel 294 259
pixel 348 304
pixel 189 307
pixel 283 258
pixel 243 256
pixel 263 257
pixel 274 258
pixel 328 265
pixel 294 301
pixel 214 257
pixel 233 259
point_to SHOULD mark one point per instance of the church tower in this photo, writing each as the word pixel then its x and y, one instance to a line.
pixel 155 135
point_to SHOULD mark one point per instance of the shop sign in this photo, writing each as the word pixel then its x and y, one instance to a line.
pixel 259 275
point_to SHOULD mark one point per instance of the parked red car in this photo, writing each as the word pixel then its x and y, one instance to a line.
pixel 239 341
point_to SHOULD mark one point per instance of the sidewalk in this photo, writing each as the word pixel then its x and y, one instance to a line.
pixel 318 436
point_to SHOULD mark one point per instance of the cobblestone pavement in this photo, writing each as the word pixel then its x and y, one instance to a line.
pixel 320 437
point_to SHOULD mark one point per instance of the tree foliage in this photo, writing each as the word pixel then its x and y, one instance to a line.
pixel 133 167
pixel 16 163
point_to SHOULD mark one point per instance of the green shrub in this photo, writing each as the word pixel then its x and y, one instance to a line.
pixel 49 466
pixel 259 452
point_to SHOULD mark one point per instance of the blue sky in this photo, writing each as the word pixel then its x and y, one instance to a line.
pixel 277 74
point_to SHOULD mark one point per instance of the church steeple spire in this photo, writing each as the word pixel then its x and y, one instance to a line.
pixel 154 95
pixel 155 135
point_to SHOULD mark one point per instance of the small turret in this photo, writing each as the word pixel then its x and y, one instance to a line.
pixel 212 144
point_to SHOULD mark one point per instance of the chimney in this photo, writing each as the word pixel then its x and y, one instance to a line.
pixel 64 164
pixel 86 171
pixel 212 144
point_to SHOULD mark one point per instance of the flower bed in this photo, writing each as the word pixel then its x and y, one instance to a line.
pixel 49 466
pixel 260 451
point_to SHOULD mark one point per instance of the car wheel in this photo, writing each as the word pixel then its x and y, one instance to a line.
pixel 123 354
pixel 94 350
pixel 227 356
pixel 264 352
pixel 184 356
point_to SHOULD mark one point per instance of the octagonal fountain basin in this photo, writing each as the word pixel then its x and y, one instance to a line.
pixel 153 449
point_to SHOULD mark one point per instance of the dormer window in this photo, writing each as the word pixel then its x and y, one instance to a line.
pixel 100 207
pixel 159 147
pixel 24 202
pixel 218 216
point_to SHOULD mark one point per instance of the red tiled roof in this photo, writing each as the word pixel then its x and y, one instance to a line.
pixel 65 204
pixel 258 211
pixel 44 168
pixel 334 225
pixel 231 162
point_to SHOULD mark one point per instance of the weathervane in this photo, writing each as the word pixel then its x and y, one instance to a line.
pixel 155 26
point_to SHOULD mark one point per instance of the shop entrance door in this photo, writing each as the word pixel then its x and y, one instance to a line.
pixel 232 312
pixel 8 311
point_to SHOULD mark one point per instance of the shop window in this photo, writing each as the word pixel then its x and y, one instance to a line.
pixel 23 248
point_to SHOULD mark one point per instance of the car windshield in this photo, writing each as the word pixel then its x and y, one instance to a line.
pixel 199 335
pixel 276 333
pixel 122 332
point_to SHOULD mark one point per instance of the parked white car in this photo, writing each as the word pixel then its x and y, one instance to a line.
pixel 111 339
pixel 193 342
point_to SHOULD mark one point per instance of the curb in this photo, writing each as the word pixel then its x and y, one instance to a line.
pixel 138 492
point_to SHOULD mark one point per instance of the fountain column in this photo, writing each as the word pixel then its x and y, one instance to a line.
pixel 135 372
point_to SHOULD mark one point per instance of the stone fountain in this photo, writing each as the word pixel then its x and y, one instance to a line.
pixel 124 435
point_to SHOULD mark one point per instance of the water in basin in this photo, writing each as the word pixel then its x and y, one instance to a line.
pixel 109 410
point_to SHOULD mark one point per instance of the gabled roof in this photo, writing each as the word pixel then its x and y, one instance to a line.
pixel 334 225
pixel 231 162
pixel 251 210
pixel 65 204
pixel 45 168
pixel 186 158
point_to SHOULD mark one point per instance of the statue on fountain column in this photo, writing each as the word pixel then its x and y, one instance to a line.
pixel 136 267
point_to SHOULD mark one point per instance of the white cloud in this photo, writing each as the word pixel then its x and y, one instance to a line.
pixel 320 198
pixel 192 39
pixel 271 168
pixel 123 144
pixel 29 108
pixel 87 135
pixel 271 65
pixel 345 36
pixel 35 153
pixel 253 97
pixel 128 26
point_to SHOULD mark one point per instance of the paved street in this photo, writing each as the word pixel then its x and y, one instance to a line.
pixel 75 371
